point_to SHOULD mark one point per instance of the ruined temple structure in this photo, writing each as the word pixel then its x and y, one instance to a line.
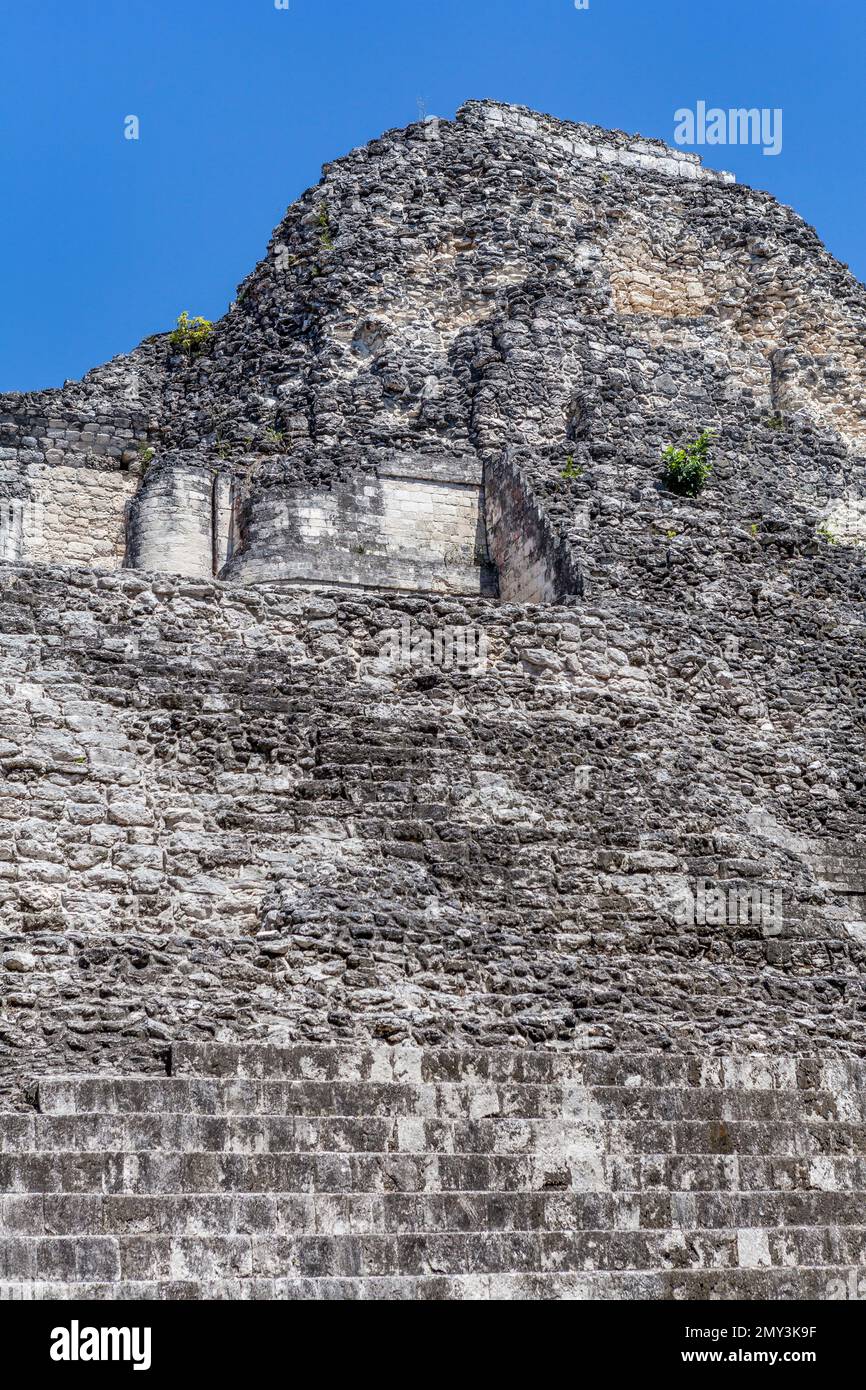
pixel 433 860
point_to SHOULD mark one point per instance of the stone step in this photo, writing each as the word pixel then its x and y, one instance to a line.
pixel 370 1100
pixel 272 1134
pixel 321 1172
pixel 308 1062
pixel 687 1173
pixel 367 1099
pixel 315 1171
pixel 760 1285
pixel 587 1171
pixel 109 1258
pixel 286 1214
pixel 98 1132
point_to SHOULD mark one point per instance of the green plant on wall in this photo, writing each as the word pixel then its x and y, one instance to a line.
pixel 572 471
pixel 686 470
pixel 323 222
pixel 191 336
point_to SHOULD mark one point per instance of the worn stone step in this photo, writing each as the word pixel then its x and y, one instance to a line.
pixel 315 1171
pixel 320 1172
pixel 441 1100
pixel 169 1172
pixel 397 1213
pixel 144 1257
pixel 368 1099
pixel 572 1142
pixel 98 1131
pixel 734 1172
pixel 813 1284
pixel 88 1132
pixel 365 1063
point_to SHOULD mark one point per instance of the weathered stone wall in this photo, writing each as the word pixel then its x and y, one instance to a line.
pixel 503 283
pixel 484 741
pixel 70 462
pixel 175 525
pixel 416 524
pixel 231 814
pixel 533 563
pixel 78 514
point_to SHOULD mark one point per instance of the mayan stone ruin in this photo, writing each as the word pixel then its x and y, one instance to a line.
pixel 433 859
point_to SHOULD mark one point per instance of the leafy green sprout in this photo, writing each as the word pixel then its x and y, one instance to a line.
pixel 191 336
pixel 572 471
pixel 686 470
pixel 323 221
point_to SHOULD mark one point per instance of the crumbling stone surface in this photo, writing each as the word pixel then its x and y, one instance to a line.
pixel 500 285
pixel 364 689
pixel 232 814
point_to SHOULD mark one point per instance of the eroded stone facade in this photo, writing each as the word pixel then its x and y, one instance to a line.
pixel 420 715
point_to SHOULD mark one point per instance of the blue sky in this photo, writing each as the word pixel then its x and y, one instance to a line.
pixel 104 240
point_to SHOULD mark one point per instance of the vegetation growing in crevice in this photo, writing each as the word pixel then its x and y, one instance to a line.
pixel 323 222
pixel 572 471
pixel 191 336
pixel 686 470
pixel 222 448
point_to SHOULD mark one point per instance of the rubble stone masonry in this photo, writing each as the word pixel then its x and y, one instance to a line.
pixel 325 974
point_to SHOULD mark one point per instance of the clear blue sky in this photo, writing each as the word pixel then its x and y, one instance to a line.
pixel 104 240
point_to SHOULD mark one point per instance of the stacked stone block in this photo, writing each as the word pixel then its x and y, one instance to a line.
pixel 365 1173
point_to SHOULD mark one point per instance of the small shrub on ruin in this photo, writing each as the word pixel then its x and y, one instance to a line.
pixel 572 471
pixel 686 470
pixel 191 336
pixel 323 221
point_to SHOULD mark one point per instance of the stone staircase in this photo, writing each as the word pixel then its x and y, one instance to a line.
pixel 333 1172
